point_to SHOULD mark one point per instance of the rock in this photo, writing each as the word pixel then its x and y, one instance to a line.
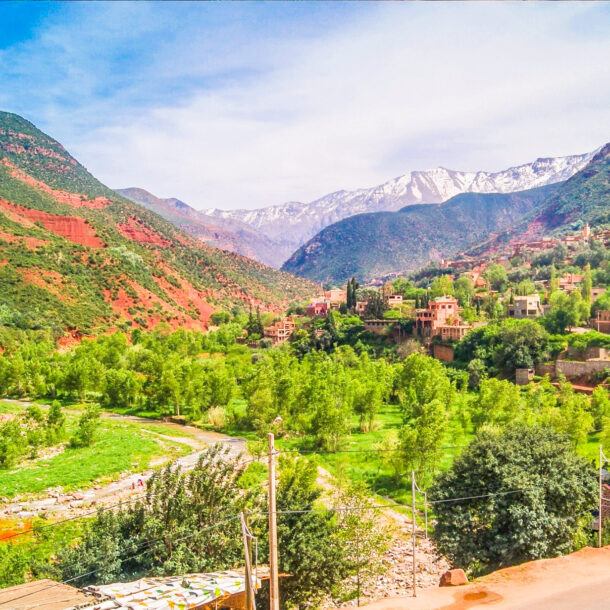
pixel 453 578
pixel 78 496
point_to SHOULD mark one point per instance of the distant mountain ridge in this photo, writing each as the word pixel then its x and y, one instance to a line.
pixel 297 222
pixel 225 233
pixel 382 243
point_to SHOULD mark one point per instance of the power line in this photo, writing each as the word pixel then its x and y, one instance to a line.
pixel 149 543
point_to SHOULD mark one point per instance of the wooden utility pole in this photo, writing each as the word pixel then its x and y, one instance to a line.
pixel 274 588
pixel 413 527
pixel 247 556
pixel 601 505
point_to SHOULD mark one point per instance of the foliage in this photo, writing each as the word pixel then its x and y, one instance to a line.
pixel 504 346
pixel 540 489
pixel 186 522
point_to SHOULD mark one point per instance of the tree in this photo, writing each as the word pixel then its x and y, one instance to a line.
pixel 566 311
pixel 312 552
pixel 442 285
pixel 525 287
pixel 87 426
pixel 187 521
pixel 421 438
pixel 496 276
pixel 498 402
pixel 540 487
pixel 464 290
pixel 376 306
pixel 55 424
pixel 587 284
pixel 600 406
pixel 520 344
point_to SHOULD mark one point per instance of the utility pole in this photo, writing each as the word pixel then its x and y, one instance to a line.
pixel 274 589
pixel 426 511
pixel 413 527
pixel 247 556
pixel 601 505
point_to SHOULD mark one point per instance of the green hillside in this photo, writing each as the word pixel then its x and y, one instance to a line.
pixel 584 198
pixel 75 254
pixel 375 245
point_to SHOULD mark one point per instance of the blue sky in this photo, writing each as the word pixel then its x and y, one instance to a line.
pixel 251 104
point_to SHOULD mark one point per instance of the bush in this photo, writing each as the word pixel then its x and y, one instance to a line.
pixel 87 427
pixel 533 488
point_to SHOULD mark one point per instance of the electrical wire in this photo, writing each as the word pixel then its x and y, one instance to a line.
pixel 149 543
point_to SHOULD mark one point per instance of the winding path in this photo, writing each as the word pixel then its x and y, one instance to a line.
pixel 87 500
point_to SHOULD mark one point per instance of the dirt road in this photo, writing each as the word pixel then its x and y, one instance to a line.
pixel 58 505
pixel 579 580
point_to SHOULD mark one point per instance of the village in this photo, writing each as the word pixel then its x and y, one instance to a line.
pixel 445 320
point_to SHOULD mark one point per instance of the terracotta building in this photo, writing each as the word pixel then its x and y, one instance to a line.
pixel 317 310
pixel 441 311
pixel 280 331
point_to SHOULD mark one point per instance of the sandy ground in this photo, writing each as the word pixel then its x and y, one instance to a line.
pixel 577 581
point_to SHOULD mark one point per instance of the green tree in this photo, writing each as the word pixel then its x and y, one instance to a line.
pixel 88 424
pixel 187 521
pixel 496 276
pixel 587 284
pixel 534 490
pixel 600 405
pixel 313 551
pixel 376 306
pixel 464 290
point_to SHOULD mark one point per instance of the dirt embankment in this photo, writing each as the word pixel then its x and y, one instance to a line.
pixel 579 580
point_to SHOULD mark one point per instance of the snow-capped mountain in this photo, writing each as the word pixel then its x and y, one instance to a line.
pixel 297 222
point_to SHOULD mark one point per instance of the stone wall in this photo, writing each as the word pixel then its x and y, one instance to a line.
pixel 575 368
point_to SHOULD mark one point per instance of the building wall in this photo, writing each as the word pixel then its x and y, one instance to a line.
pixel 442 352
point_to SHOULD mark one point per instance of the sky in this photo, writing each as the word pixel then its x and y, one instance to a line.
pixel 244 105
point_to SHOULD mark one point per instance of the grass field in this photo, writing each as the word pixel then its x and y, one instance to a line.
pixel 119 447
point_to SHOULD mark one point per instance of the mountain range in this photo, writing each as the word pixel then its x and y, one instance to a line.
pixel 76 255
pixel 225 233
pixel 297 222
pixel 384 243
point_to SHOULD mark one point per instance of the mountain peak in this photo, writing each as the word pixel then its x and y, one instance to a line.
pixel 298 222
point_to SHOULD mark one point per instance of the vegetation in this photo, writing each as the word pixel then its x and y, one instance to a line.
pixel 147 271
pixel 188 523
pixel 374 245
pixel 534 496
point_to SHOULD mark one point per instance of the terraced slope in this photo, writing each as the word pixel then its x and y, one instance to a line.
pixel 74 254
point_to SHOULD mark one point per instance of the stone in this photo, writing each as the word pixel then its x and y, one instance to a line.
pixel 453 578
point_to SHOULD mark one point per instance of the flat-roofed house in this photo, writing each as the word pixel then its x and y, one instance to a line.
pixel 280 331
pixel 526 307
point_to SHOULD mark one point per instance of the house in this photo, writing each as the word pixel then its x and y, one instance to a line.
pixel 280 331
pixel 336 296
pixel 360 307
pixel 378 326
pixel 394 300
pixel 453 332
pixel 597 292
pixel 195 591
pixel 317 310
pixel 601 321
pixel 570 282
pixel 525 307
pixel 440 312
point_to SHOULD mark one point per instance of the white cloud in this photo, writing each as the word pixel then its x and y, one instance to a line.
pixel 403 86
